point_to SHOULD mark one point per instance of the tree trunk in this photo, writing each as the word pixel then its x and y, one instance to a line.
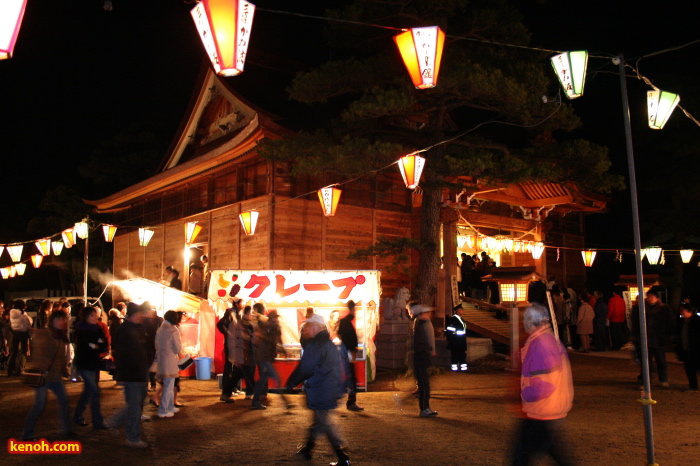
pixel 429 254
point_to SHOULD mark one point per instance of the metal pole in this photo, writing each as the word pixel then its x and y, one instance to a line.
pixel 646 396
pixel 85 267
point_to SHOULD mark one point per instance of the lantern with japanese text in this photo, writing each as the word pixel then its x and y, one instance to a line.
pixel 329 198
pixel 11 14
pixel 68 237
pixel 15 252
pixel 411 167
pixel 57 247
pixel 249 220
pixel 109 232
pixel 44 246
pixel 192 229
pixel 421 51
pixel 145 236
pixel 660 105
pixel 224 27
pixel 537 250
pixel 686 255
pixel 588 257
pixel 571 71
pixel 81 229
pixel 37 259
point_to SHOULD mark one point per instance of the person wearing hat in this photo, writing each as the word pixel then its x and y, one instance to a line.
pixel 423 351
pixel 456 335
pixel 659 330
pixel 131 370
pixel 320 369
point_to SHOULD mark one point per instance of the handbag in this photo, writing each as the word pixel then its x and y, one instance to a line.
pixel 107 364
pixel 185 362
pixel 34 377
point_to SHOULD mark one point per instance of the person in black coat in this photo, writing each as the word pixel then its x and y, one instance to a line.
pixel 348 350
pixel 688 344
pixel 659 329
pixel 456 336
pixel 600 332
pixel 91 342
pixel 321 370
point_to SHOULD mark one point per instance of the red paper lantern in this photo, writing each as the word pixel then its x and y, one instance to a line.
pixel 421 50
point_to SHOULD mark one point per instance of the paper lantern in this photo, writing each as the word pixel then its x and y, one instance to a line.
pixel 5 272
pixel 571 71
pixel 15 252
pixel 44 246
pixel 653 254
pixel 81 229
pixel 249 220
pixel 411 167
pixel 57 247
pixel 537 250
pixel 421 51
pixel 13 271
pixel 68 238
pixel 470 241
pixel 588 257
pixel 661 105
pixel 224 27
pixel 20 268
pixel 37 259
pixel 109 231
pixel 686 255
pixel 145 236
pixel 11 14
pixel 329 198
pixel 192 229
pixel 461 240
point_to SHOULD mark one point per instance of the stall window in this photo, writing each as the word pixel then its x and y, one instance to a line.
pixel 172 205
pixel 255 180
pixel 225 189
pixel 196 198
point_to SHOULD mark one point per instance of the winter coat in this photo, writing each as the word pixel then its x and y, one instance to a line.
pixel 20 321
pixel 90 343
pixel 688 337
pixel 320 366
pixel 616 309
pixel 130 353
pixel 659 325
pixel 48 354
pixel 584 321
pixel 347 333
pixel 266 338
pixel 168 349
pixel 600 311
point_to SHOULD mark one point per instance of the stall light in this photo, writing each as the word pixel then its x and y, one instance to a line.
pixel 13 271
pixel 507 291
pixel 37 259
pixel 537 250
pixel 661 105
pixel 44 246
pixel 5 272
pixel 11 14
pixel 518 246
pixel 571 71
pixel 421 51
pixel 686 255
pixel 411 167
pixel 81 229
pixel 470 241
pixel 224 27
pixel 109 231
pixel 145 236
pixel 57 247
pixel 68 238
pixel 15 252
pixel 192 229
pixel 588 257
pixel 461 240
pixel 329 198
pixel 249 220
pixel 653 254
pixel 20 268
pixel 509 244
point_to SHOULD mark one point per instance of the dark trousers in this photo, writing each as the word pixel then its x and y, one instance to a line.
pixel 18 349
pixel 91 394
pixel 227 384
pixel 658 354
pixel 350 379
pixel 618 334
pixel 323 424
pixel 599 336
pixel 691 364
pixel 536 438
pixel 421 368
pixel 249 376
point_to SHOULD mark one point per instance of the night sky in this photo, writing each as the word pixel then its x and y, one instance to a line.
pixel 80 75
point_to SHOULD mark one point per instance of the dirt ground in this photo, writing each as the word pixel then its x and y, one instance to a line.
pixel 475 425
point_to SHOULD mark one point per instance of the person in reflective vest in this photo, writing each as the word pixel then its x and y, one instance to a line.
pixel 456 334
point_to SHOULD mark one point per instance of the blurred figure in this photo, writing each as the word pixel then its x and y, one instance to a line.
pixel 546 391
pixel 206 274
pixel 659 330
pixel 195 283
pixel 600 331
pixel 348 354
pixel 618 320
pixel 689 344
pixel 423 351
pixel 227 326
pixel 584 323
pixel 168 352
pixel 20 323
pixel 321 370
pixel 267 337
pixel 42 315
pixel 50 346
pixel 91 343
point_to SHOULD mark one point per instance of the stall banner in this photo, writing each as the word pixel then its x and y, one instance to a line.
pixel 288 286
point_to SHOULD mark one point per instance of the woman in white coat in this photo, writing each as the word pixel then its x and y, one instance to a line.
pixel 168 349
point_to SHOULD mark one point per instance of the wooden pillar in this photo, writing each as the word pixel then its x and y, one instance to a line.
pixel 450 265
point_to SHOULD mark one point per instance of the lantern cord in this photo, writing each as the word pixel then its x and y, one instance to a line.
pixel 336 20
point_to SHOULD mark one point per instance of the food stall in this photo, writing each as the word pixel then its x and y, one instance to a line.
pixel 290 292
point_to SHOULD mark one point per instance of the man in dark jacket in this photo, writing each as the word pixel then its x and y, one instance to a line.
pixel 600 332
pixel 320 368
pixel 659 328
pixel 423 352
pixel 689 344
pixel 131 369
pixel 456 336
pixel 348 350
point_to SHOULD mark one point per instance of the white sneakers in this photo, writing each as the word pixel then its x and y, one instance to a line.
pixel 427 412
pixel 168 414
